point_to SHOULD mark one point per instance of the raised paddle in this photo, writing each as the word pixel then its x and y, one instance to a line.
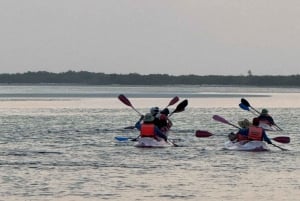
pixel 180 107
pixel 245 107
pixel 247 104
pixel 125 100
pixel 222 120
pixel 173 101
pixel 281 139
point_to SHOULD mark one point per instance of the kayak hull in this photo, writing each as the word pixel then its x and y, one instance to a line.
pixel 249 146
pixel 148 142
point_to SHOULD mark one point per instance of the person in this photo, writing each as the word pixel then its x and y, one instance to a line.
pixel 244 123
pixel 237 137
pixel 254 132
pixel 163 122
pixel 148 128
pixel 265 118
pixel 155 113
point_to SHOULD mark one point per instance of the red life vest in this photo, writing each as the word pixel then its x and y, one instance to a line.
pixel 241 137
pixel 255 133
pixel 147 130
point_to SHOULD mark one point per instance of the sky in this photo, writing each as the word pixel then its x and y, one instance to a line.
pixel 175 37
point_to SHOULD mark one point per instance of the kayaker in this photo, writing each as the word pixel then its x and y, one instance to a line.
pixel 164 123
pixel 254 132
pixel 148 128
pixel 161 119
pixel 244 123
pixel 265 118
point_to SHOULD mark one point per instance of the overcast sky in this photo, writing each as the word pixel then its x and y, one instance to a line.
pixel 202 37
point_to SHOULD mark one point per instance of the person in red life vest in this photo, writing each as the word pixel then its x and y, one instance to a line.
pixel 265 118
pixel 148 128
pixel 237 137
pixel 164 123
pixel 254 132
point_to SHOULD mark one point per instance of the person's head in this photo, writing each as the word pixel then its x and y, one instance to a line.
pixel 154 110
pixel 148 118
pixel 255 121
pixel 264 112
pixel 244 123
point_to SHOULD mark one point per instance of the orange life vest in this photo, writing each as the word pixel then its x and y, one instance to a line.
pixel 147 130
pixel 241 137
pixel 255 133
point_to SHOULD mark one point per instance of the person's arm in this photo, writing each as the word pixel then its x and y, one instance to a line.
pixel 271 120
pixel 243 131
pixel 138 124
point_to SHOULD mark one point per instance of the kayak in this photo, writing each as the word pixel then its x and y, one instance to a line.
pixel 249 146
pixel 151 142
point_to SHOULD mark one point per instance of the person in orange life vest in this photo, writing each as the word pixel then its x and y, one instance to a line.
pixel 255 132
pixel 155 113
pixel 164 123
pixel 265 118
pixel 148 128
pixel 237 137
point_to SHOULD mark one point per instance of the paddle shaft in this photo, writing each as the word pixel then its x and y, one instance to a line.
pixel 247 104
pixel 279 147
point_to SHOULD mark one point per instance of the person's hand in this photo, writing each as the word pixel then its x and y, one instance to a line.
pixel 142 117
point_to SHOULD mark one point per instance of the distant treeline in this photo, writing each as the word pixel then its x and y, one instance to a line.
pixel 89 78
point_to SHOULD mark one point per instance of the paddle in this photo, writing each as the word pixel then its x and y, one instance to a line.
pixel 125 100
pixel 244 107
pixel 245 104
pixel 222 120
pixel 283 149
pixel 281 139
pixel 120 138
pixel 173 101
pixel 201 133
pixel 180 107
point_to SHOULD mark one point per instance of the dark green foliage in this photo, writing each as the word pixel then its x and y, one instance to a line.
pixel 89 78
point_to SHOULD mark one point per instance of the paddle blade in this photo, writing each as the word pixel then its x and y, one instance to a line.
pixel 119 138
pixel 245 102
pixel 181 106
pixel 200 133
pixel 220 119
pixel 244 107
pixel 173 101
pixel 282 139
pixel 124 100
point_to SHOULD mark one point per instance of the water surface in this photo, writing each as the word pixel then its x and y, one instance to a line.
pixel 57 143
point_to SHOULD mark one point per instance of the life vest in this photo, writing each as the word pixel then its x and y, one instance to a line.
pixel 255 133
pixel 241 137
pixel 147 130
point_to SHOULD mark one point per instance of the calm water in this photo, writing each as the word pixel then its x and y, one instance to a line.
pixel 57 143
